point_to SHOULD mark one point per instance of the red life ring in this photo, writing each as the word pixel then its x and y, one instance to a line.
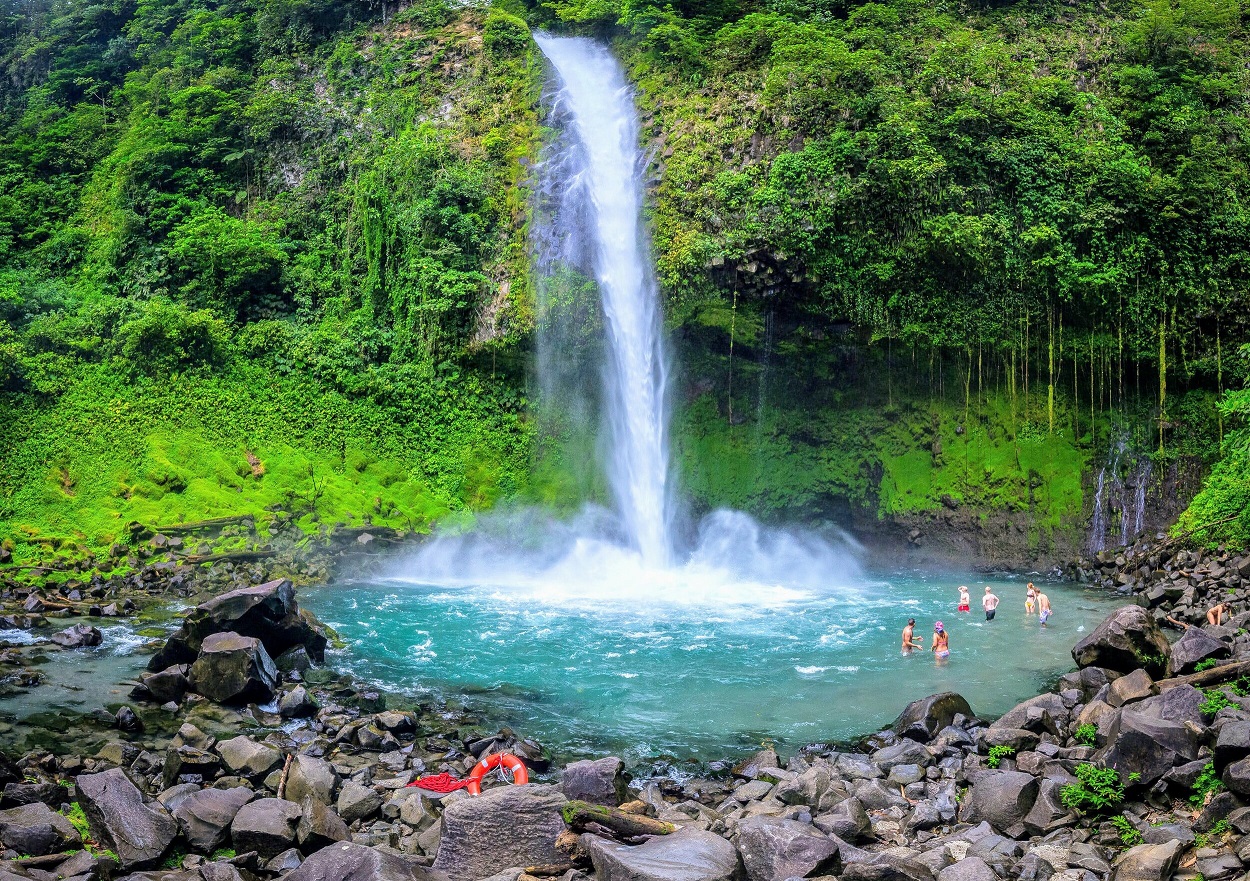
pixel 520 776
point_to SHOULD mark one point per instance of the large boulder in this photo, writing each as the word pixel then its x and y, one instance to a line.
pixel 520 822
pixel 354 862
pixel 267 612
pixel 923 719
pixel 35 830
pixel 774 849
pixel 247 758
pixel 205 816
pixel 968 869
pixel 357 801
pixel 1001 798
pixel 1232 744
pixel 1237 777
pixel 311 776
pixel 1193 648
pixel 267 826
pixel 686 855
pixel 599 782
pixel 1143 744
pixel 1149 862
pixel 77 637
pixel 137 832
pixel 1038 714
pixel 1129 638
pixel 234 669
pixel 164 686
pixel 847 820
pixel 319 826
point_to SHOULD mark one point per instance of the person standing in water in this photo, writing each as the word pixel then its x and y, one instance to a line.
pixel 941 642
pixel 1043 607
pixel 910 640
pixel 989 602
pixel 1030 595
pixel 965 602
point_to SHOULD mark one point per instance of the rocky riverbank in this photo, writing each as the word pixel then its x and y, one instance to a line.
pixel 238 757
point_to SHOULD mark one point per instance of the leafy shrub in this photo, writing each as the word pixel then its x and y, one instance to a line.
pixel 998 753
pixel 1130 835
pixel 166 338
pixel 1207 782
pixel 1215 700
pixel 1086 734
pixel 1096 790
pixel 505 34
pixel 1205 665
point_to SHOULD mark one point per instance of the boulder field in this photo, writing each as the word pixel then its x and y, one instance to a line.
pixel 1136 767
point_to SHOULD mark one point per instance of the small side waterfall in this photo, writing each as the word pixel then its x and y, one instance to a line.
pixel 1120 497
pixel 598 100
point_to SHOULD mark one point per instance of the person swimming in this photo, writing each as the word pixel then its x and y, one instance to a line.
pixel 1030 595
pixel 989 602
pixel 941 642
pixel 1043 607
pixel 965 602
pixel 910 640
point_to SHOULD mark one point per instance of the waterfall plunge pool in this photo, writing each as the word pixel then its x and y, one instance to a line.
pixel 678 669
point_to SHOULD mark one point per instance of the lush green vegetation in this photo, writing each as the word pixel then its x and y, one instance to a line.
pixel 258 257
pixel 270 255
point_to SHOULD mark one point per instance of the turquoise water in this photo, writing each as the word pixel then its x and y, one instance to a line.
pixel 671 668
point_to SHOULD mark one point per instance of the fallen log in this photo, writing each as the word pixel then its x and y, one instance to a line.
pixel 1222 673
pixel 198 525
pixel 227 557
pixel 584 817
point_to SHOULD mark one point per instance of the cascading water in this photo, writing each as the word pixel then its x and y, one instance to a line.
pixel 1121 487
pixel 602 631
pixel 598 100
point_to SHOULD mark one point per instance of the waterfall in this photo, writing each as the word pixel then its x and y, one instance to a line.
pixel 1121 487
pixel 597 99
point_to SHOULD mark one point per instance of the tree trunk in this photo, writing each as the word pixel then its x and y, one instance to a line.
pixel 1163 378
pixel 582 817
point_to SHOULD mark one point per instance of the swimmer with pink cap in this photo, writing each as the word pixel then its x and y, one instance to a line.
pixel 941 642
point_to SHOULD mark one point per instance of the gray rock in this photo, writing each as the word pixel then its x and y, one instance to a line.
pixel 138 833
pixel 774 849
pixel 187 764
pixel 1001 798
pixel 35 830
pixel 352 862
pixel 297 704
pixel 319 826
pixel 520 822
pixel 1147 746
pixel 267 826
pixel 686 855
pixel 753 790
pixel 357 802
pixel 1174 705
pixel 905 752
pixel 758 764
pixel 1232 744
pixel 924 718
pixel 1149 862
pixel 167 685
pixel 311 776
pixel 1129 638
pixel 284 862
pixel 1237 777
pixel 1048 812
pixel 805 789
pixel 968 869
pixel 77 637
pixel 189 735
pixel 1193 648
pixel 1132 687
pixel 599 782
pixel 205 816
pixel 247 758
pixel 17 794
pixel 1036 714
pixel 847 820
pixel 234 669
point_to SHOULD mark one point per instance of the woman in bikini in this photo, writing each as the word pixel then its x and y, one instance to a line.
pixel 1030 597
pixel 941 642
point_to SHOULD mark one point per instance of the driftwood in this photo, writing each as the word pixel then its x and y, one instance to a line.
pixel 570 844
pixel 1222 673
pixel 227 557
pixel 614 822
pixel 548 870
pixel 286 769
pixel 211 523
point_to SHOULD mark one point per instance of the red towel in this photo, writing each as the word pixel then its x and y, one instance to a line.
pixel 439 783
